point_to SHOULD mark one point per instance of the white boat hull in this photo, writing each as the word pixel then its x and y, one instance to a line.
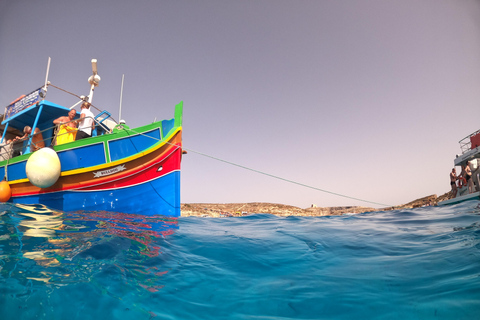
pixel 470 196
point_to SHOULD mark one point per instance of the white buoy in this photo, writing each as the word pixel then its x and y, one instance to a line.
pixel 43 168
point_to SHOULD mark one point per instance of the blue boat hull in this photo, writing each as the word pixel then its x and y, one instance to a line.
pixel 160 196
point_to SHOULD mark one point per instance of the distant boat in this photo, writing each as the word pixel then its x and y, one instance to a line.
pixel 470 147
pixel 117 169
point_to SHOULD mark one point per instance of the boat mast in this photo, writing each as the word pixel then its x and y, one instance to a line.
pixel 46 79
pixel 93 79
pixel 121 98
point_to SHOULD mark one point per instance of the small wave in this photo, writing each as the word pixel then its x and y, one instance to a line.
pixel 419 263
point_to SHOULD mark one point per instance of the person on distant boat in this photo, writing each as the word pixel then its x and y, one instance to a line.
pixel 468 177
pixel 476 174
pixel 68 128
pixel 86 123
pixel 37 139
pixel 453 184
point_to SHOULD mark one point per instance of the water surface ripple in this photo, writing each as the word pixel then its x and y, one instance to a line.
pixel 406 264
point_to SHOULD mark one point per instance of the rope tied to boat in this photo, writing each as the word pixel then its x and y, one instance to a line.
pixel 79 97
pixel 267 174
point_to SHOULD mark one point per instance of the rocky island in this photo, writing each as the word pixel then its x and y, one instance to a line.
pixel 242 209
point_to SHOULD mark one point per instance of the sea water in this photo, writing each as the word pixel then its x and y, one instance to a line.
pixel 405 264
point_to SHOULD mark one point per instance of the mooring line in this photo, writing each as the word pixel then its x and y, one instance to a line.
pixel 268 174
pixel 77 96
pixel 284 179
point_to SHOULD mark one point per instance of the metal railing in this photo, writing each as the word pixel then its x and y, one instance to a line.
pixel 466 143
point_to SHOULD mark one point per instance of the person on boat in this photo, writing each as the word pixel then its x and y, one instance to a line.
pixel 37 139
pixel 68 128
pixel 453 184
pixel 17 148
pixel 6 150
pixel 86 123
pixel 468 177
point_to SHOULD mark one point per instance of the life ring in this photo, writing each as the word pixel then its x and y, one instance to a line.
pixel 462 182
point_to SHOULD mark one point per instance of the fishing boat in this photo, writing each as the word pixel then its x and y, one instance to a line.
pixel 470 147
pixel 117 169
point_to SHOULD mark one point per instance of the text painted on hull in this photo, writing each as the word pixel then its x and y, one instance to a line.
pixel 108 172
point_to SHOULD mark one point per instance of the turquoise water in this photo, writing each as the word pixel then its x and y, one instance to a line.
pixel 412 264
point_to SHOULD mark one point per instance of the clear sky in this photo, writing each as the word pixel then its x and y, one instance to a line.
pixel 363 98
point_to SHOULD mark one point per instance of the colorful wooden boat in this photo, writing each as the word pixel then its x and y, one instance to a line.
pixel 118 169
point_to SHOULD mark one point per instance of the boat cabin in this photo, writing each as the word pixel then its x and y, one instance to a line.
pixel 39 114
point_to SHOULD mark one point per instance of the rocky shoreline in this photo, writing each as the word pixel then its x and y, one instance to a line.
pixel 242 209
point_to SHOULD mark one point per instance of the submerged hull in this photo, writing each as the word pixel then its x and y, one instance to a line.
pixel 129 171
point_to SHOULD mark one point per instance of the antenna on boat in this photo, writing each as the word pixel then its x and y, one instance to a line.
pixel 121 98
pixel 93 79
pixel 43 94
